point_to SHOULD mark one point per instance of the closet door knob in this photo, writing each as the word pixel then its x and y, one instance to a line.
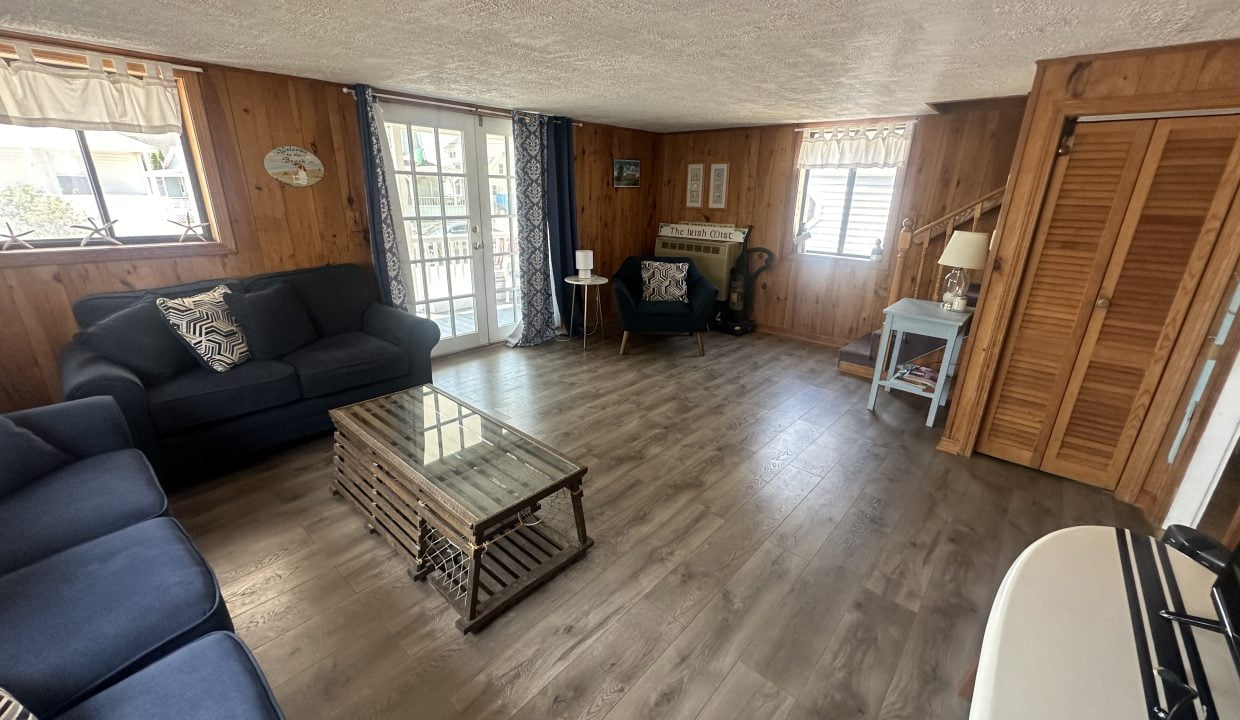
pixel 1102 303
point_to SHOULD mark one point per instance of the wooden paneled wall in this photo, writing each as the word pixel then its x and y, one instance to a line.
pixel 956 156
pixel 614 222
pixel 274 226
pixel 1174 79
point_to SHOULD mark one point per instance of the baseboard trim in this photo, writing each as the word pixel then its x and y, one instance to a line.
pixel 808 337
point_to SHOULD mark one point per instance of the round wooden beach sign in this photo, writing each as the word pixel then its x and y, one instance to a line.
pixel 294 166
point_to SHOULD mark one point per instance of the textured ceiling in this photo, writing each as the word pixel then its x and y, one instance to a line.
pixel 653 64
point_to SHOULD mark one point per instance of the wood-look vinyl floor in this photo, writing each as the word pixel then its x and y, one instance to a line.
pixel 765 548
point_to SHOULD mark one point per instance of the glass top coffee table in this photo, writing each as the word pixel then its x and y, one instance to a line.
pixel 481 510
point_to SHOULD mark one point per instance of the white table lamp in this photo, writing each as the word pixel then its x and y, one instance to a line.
pixel 585 263
pixel 965 251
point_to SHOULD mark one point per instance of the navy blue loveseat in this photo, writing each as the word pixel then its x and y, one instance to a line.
pixel 107 610
pixel 184 415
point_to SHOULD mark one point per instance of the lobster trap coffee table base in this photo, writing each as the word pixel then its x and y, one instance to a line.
pixel 481 511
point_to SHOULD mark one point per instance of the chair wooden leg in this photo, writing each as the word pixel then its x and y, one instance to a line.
pixel 624 341
pixel 701 346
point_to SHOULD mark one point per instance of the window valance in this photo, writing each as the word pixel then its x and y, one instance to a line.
pixel 880 146
pixel 38 94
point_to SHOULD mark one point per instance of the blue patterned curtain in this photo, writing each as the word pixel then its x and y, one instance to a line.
pixel 384 248
pixel 529 138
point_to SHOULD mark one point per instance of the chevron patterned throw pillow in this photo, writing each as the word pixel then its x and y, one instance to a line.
pixel 206 324
pixel 665 281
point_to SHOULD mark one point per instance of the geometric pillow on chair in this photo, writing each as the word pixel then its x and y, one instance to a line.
pixel 206 324
pixel 10 709
pixel 665 281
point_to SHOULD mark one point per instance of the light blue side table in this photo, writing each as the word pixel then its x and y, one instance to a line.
pixel 919 317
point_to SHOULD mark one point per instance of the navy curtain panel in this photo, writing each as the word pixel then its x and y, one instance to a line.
pixel 562 215
pixel 546 224
pixel 384 246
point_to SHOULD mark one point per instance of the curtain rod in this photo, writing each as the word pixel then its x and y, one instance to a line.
pixel 68 51
pixel 411 99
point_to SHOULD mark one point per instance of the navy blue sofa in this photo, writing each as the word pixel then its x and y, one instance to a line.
pixel 103 597
pixel 637 315
pixel 184 415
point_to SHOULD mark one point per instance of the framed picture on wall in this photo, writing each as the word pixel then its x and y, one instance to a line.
pixel 693 189
pixel 626 173
pixel 718 185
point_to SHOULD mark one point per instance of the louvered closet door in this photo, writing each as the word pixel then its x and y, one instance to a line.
pixel 1187 182
pixel 1090 188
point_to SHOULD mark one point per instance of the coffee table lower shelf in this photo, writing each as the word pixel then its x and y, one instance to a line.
pixel 480 577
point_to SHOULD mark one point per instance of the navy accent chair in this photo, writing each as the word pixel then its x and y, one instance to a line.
pixel 640 316
pixel 198 419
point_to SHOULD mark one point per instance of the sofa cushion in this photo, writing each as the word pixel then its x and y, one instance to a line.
pixel 202 396
pixel 208 327
pixel 25 457
pixel 335 296
pixel 340 362
pixel 87 617
pixel 139 338
pixel 90 309
pixel 78 502
pixel 213 677
pixel 672 309
pixel 274 321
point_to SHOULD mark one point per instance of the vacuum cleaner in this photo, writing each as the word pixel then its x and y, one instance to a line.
pixel 735 317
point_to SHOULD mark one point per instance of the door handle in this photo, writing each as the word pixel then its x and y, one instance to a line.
pixel 477 244
pixel 1102 303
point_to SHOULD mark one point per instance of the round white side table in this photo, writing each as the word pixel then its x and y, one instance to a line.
pixel 585 284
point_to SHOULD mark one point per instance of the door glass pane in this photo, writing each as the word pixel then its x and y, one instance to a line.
pixel 441 313
pixel 455 201
pixel 411 240
pixel 501 239
pixel 462 276
pixel 404 188
pixel 498 188
pixel 432 239
pixel 458 238
pixel 419 282
pixel 497 155
pixel 428 197
pixel 436 279
pixel 425 158
pixel 398 141
pixel 466 316
pixel 451 151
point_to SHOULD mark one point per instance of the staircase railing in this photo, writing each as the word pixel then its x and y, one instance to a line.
pixel 914 257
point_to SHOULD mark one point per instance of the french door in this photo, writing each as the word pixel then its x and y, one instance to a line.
pixel 451 192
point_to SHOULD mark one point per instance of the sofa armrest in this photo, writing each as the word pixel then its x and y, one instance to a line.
pixel 87 374
pixel 702 297
pixel 416 335
pixel 82 428
pixel 626 306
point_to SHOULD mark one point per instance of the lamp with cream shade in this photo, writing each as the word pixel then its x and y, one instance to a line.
pixel 965 251
pixel 585 263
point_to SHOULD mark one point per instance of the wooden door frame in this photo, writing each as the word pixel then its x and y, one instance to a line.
pixel 1027 187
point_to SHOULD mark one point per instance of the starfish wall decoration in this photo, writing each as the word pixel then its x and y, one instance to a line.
pixel 12 239
pixel 193 230
pixel 97 232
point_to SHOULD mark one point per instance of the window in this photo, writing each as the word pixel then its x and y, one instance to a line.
pixel 57 184
pixel 844 211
